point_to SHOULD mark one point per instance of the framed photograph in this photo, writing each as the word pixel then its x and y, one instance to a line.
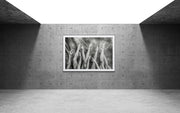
pixel 88 53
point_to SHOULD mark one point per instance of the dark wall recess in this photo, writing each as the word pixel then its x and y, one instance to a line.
pixel 16 45
pixel 163 45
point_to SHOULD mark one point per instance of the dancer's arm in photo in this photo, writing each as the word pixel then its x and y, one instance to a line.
pixel 83 57
pixel 95 63
pixel 80 61
pixel 69 59
pixel 86 57
pixel 88 52
pixel 102 57
pixel 106 63
pixel 95 58
pixel 88 61
pixel 75 64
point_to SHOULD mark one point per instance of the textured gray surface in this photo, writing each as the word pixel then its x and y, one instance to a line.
pixel 131 60
pixel 10 14
pixel 32 57
pixel 167 15
pixel 38 63
pixel 89 101
pixel 162 43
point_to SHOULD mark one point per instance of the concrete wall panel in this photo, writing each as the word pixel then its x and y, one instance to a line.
pixel 37 62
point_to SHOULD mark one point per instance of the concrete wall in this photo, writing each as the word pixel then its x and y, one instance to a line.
pixel 163 46
pixel 11 14
pixel 16 45
pixel 32 58
pixel 167 15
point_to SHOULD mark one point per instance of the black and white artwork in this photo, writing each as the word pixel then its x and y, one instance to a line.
pixel 88 53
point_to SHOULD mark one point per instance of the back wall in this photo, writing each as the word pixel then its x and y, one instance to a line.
pixel 32 57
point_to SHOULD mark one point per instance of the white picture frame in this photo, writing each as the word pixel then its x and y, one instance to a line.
pixel 98 38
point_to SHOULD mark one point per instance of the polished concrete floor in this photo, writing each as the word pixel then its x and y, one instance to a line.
pixel 89 101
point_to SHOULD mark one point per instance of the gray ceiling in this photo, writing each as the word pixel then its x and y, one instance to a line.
pixel 10 14
pixel 167 15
